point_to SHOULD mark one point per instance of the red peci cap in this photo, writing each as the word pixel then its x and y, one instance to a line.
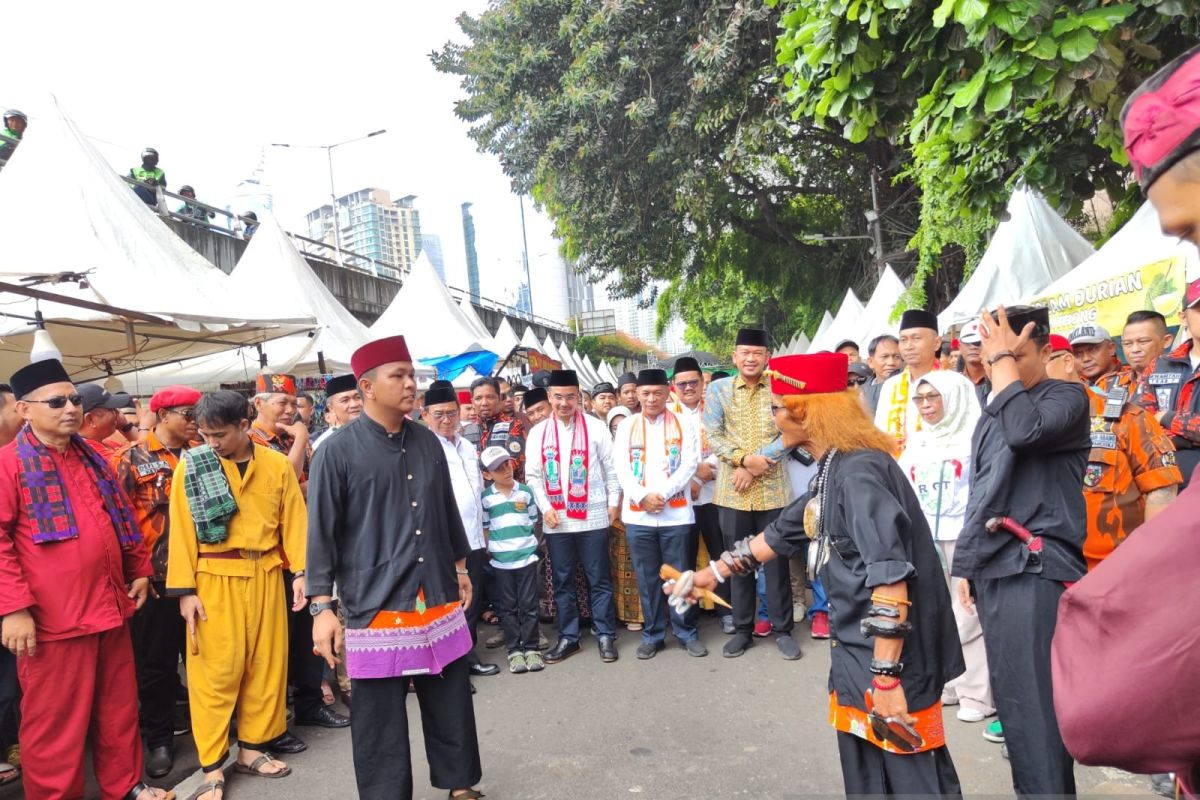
pixel 377 353
pixel 174 397
pixel 1060 344
pixel 464 398
pixel 815 373
pixel 1192 297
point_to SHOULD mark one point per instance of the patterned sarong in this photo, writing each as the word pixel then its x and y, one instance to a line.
pixel 398 643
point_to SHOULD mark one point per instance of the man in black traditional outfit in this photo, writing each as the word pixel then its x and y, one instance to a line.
pixel 874 553
pixel 1028 457
pixel 384 523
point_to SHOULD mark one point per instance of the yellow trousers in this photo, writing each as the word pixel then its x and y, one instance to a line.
pixel 242 663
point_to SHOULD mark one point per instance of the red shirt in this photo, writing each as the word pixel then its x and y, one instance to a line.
pixel 75 587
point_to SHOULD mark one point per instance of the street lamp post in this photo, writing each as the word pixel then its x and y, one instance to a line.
pixel 333 204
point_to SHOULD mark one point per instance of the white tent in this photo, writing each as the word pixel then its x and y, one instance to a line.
pixel 822 329
pixel 586 368
pixel 529 339
pixel 131 293
pixel 472 317
pixel 802 343
pixel 550 350
pixel 876 318
pixel 845 324
pixel 505 339
pixel 1030 250
pixel 606 372
pixel 1138 268
pixel 590 366
pixel 432 323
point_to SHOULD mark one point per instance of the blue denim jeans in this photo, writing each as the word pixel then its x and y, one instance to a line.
pixel 589 550
pixel 650 548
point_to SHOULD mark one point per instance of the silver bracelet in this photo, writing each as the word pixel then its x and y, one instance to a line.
pixel 461 571
pixel 713 566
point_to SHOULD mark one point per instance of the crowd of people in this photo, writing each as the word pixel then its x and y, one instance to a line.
pixel 946 515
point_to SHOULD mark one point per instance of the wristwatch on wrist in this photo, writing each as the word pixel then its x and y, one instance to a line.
pixel 316 608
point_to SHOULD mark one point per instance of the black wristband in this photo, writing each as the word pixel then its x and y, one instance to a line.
pixel 890 668
pixel 884 628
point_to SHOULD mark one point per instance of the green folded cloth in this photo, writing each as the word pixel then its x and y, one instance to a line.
pixel 208 494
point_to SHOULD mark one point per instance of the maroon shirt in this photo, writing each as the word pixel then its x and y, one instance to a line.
pixel 75 587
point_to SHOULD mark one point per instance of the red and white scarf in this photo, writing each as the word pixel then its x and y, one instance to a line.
pixel 672 454
pixel 576 500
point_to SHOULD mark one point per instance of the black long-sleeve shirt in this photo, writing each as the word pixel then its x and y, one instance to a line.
pixel 382 520
pixel 1028 457
pixel 879 536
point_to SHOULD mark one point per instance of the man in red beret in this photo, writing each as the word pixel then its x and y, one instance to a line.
pixel 382 486
pixel 145 470
pixel 873 551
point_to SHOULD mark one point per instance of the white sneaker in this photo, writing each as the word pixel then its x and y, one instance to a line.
pixel 799 612
pixel 965 714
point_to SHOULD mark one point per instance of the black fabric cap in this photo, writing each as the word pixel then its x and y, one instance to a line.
pixel 540 379
pixel 37 375
pixel 918 318
pixel 686 364
pixel 719 374
pixel 846 343
pixel 96 396
pixel 653 377
pixel 752 337
pixel 563 377
pixel 533 397
pixel 603 388
pixel 441 392
pixel 1020 316
pixel 626 379
pixel 340 383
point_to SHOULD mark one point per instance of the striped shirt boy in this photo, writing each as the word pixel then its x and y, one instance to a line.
pixel 508 522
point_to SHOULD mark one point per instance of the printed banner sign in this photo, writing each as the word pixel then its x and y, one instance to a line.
pixel 1109 300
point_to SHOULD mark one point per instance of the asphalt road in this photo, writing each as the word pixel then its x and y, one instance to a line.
pixel 672 727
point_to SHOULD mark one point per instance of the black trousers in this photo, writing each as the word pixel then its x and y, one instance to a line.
pixel 157 632
pixel 379 733
pixel 737 525
pixel 478 571
pixel 516 602
pixel 10 700
pixel 708 527
pixel 1018 615
pixel 305 670
pixel 871 772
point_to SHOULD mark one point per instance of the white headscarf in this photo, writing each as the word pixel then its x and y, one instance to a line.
pixel 952 433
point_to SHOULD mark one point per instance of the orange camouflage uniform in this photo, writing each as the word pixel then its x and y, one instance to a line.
pixel 144 471
pixel 280 442
pixel 1130 457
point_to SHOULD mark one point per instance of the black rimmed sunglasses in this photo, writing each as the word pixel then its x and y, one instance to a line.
pixel 60 401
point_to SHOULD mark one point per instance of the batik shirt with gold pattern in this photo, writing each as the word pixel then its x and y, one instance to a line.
pixel 739 423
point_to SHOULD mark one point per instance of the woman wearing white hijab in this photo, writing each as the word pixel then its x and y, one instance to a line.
pixel 937 461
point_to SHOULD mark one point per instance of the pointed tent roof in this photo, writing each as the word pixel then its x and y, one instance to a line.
pixel 529 339
pixel 590 366
pixel 472 317
pixel 505 338
pixel 606 372
pixel 876 318
pixel 425 313
pixel 802 343
pixel 549 349
pixel 826 324
pixel 844 324
pixel 99 227
pixel 585 364
pixel 272 263
pixel 1030 250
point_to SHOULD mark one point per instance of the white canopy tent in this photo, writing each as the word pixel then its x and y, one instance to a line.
pixel 119 291
pixel 845 324
pixel 1029 251
pixel 876 318
pixel 822 329
pixel 802 343
pixel 550 350
pixel 432 323
pixel 472 317
pixel 590 366
pixel 585 364
pixel 606 372
pixel 505 339
pixel 529 339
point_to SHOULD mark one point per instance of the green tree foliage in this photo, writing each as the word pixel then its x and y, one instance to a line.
pixel 982 94
pixel 656 136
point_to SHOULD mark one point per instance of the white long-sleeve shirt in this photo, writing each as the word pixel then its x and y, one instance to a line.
pixel 603 489
pixel 467 482
pixel 657 479
pixel 707 488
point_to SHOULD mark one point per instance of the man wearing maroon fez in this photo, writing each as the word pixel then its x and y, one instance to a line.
pixel 73 569
pixel 385 525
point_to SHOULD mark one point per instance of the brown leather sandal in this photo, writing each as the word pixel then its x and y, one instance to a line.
pixel 207 788
pixel 255 768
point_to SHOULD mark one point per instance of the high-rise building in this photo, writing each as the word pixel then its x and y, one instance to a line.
pixel 252 194
pixel 372 225
pixel 523 303
pixel 431 246
pixel 468 224
pixel 580 295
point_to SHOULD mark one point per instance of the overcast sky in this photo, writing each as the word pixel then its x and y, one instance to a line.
pixel 211 89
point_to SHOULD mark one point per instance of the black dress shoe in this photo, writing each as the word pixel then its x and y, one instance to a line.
pixel 159 761
pixel 326 718
pixel 561 651
pixel 287 744
pixel 608 649
pixel 137 789
pixel 481 669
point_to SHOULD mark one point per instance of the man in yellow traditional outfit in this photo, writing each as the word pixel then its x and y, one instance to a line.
pixel 236 509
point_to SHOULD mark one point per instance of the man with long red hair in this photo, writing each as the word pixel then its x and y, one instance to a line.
pixel 896 644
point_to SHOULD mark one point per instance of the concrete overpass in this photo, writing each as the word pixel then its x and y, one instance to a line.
pixel 363 293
